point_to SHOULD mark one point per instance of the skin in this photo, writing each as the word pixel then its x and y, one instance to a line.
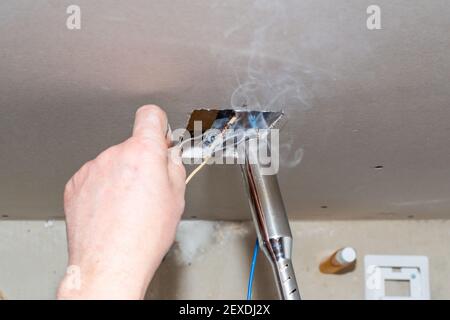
pixel 122 210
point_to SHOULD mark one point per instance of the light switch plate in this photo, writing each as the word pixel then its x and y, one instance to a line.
pixel 380 269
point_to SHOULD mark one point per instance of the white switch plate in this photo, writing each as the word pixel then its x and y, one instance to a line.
pixel 414 269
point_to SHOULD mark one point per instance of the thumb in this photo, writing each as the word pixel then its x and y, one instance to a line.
pixel 150 122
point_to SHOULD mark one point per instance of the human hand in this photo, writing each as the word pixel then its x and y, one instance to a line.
pixel 122 210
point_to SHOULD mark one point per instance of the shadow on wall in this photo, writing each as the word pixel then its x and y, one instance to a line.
pixel 217 267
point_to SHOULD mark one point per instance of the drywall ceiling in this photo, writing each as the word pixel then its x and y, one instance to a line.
pixel 355 98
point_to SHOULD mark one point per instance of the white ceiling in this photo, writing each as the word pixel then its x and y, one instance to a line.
pixel 355 98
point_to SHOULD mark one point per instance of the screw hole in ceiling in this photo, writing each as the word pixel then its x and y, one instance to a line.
pixel 379 167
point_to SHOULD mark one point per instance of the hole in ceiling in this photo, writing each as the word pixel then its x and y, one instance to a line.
pixel 324 207
pixel 379 167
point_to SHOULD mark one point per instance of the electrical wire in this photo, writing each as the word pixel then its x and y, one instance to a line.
pixel 205 161
pixel 193 173
pixel 252 271
pixel 213 149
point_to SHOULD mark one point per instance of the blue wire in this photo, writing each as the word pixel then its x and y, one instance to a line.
pixel 252 270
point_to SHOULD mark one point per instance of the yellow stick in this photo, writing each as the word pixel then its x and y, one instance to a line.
pixel 196 170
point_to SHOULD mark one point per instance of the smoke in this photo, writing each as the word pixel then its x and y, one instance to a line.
pixel 290 156
pixel 273 78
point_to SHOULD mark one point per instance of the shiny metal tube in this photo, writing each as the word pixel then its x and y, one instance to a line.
pixel 272 224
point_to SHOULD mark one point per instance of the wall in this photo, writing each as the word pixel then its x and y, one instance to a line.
pixel 213 261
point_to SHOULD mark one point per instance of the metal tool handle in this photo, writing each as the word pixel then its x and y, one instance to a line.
pixel 287 283
pixel 271 223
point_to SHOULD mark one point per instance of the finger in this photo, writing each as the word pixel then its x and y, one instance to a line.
pixel 177 172
pixel 169 135
pixel 150 122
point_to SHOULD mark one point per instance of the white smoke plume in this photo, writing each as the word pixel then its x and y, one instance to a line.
pixel 273 77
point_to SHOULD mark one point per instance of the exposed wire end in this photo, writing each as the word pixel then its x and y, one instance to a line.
pixel 196 170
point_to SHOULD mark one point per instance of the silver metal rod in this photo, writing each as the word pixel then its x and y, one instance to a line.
pixel 272 224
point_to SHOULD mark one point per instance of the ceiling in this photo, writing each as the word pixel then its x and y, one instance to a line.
pixel 368 110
